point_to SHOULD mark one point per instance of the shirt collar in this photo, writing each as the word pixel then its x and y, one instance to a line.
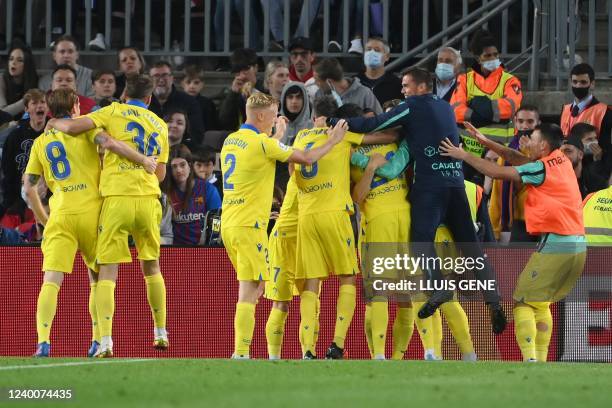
pixel 584 103
pixel 250 127
pixel 136 102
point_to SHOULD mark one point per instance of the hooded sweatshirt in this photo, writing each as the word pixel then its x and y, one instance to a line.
pixel 358 94
pixel 303 119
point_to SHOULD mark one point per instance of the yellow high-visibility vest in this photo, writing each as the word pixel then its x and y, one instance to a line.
pixel 597 211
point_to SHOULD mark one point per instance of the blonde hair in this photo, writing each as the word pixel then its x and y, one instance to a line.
pixel 260 100
pixel 271 69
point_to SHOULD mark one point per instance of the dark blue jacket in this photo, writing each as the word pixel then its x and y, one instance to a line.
pixel 426 120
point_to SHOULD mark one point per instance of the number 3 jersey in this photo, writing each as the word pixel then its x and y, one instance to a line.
pixel 71 168
pixel 325 185
pixel 135 125
pixel 248 163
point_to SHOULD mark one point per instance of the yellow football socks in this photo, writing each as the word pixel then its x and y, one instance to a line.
pixel 244 323
pixel 45 310
pixel 345 308
pixel 156 295
pixel 105 306
pixel 275 329
pixel 436 333
pixel 544 326
pixel 308 313
pixel 380 321
pixel 95 329
pixel 403 327
pixel 367 327
pixel 459 326
pixel 425 327
pixel 525 331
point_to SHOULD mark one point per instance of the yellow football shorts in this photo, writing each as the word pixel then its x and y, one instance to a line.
pixel 282 284
pixel 247 248
pixel 549 277
pixel 64 234
pixel 325 245
pixel 123 216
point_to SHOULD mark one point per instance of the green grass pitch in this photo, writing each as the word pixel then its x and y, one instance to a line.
pixel 315 384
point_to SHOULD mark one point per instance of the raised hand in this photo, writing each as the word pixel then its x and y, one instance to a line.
pixel 280 127
pixel 475 132
pixel 336 134
pixel 448 149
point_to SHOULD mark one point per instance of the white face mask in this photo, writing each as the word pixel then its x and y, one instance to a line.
pixel 373 59
pixel 445 72
pixel 335 94
pixel 491 65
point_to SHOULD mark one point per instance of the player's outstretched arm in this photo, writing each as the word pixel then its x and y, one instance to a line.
pixel 448 149
pixel 308 157
pixel 30 182
pixel 514 157
pixel 384 137
pixel 71 127
pixel 104 140
pixel 362 188
pixel 393 118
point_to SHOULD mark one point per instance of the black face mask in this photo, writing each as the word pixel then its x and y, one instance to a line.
pixel 527 132
pixel 580 93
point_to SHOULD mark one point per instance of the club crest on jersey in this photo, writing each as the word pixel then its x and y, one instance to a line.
pixel 259 246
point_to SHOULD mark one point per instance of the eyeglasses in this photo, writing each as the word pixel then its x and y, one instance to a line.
pixel 303 54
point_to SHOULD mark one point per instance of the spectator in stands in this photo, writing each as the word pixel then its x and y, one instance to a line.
pixel 178 128
pixel 447 69
pixel 487 96
pixel 16 150
pixel 275 78
pixel 64 77
pixel 165 228
pixel 219 23
pixel 385 85
pixel 301 57
pixel 232 108
pixel 592 175
pixel 277 11
pixel 130 61
pixel 204 161
pixel 191 197
pixel 193 83
pixel 329 76
pixel 167 98
pixel 507 204
pixel 586 108
pixel 355 20
pixel 66 52
pixel 20 75
pixel 295 106
pixel 104 87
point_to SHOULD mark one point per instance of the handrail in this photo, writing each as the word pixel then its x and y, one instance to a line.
pixel 504 4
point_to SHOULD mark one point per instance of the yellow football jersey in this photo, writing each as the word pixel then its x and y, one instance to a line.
pixel 385 195
pixel 325 185
pixel 248 164
pixel 288 217
pixel 135 125
pixel 71 168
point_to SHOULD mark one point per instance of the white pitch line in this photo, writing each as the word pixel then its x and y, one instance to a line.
pixel 76 363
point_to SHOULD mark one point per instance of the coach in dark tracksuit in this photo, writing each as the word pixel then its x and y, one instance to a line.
pixel 438 192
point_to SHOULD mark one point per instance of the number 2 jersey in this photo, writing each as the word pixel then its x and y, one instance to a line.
pixel 325 185
pixel 71 168
pixel 248 163
pixel 138 127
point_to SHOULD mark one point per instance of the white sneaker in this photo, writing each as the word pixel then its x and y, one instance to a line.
pixel 177 59
pixel 531 360
pixel 98 43
pixel 273 358
pixel 429 355
pixel 379 357
pixel 106 348
pixel 356 46
pixel 469 357
pixel 334 46
pixel 240 357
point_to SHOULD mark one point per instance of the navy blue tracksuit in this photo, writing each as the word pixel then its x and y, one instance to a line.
pixel 438 192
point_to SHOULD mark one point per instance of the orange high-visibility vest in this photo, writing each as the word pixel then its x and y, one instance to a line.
pixel 592 115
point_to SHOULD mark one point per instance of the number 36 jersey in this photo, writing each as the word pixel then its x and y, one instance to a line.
pixel 134 124
pixel 71 168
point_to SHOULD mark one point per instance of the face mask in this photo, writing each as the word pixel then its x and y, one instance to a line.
pixel 445 72
pixel 527 132
pixel 587 149
pixel 580 93
pixel 491 65
pixel 373 59
pixel 335 94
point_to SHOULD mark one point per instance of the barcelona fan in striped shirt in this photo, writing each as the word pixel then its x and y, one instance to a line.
pixel 191 197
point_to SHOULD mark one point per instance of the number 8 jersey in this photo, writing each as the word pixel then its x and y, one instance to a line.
pixel 134 124
pixel 71 168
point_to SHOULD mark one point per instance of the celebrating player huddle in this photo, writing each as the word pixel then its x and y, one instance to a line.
pixel 96 206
